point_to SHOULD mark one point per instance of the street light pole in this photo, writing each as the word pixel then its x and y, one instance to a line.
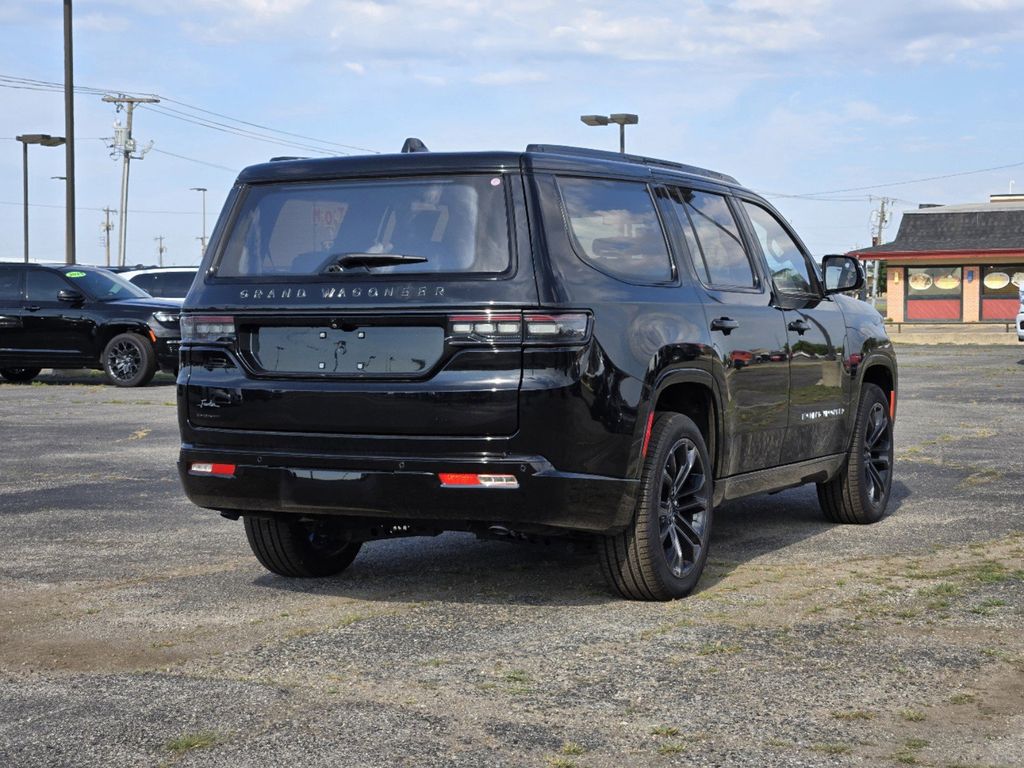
pixel 69 131
pixel 45 140
pixel 622 119
pixel 202 240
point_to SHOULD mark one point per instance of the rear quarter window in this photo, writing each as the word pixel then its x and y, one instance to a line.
pixel 615 228
pixel 454 224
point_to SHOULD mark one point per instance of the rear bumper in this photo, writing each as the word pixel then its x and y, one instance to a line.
pixel 408 489
pixel 167 353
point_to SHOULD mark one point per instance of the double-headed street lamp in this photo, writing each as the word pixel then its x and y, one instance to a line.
pixel 621 119
pixel 32 138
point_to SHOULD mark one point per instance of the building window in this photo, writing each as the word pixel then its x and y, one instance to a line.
pixel 934 294
pixel 1000 291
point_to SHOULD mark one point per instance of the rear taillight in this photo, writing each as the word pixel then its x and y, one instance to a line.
pixel 486 327
pixel 562 328
pixel 211 470
pixel 200 328
pixel 532 328
pixel 467 480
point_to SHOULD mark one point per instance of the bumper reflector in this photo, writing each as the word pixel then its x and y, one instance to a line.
pixel 219 470
pixel 461 480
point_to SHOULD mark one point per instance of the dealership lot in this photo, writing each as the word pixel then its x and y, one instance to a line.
pixel 137 629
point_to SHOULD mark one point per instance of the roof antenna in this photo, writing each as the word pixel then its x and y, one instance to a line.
pixel 414 145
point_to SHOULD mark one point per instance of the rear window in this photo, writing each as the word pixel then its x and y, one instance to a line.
pixel 446 224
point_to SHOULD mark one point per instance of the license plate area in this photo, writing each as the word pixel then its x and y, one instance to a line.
pixel 367 351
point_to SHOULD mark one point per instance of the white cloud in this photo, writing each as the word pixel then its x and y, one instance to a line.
pixel 510 77
pixel 355 66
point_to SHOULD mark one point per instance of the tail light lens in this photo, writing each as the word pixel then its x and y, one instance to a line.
pixel 565 328
pixel 200 328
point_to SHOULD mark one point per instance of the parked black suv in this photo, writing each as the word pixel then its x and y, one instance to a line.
pixel 559 341
pixel 83 317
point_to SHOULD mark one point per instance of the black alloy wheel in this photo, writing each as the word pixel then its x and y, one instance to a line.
pixel 859 493
pixel 129 360
pixel 19 375
pixel 661 555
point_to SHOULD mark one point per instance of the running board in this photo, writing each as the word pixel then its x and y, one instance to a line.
pixel 778 478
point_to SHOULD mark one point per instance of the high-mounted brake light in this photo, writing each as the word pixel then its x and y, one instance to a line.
pixel 215 470
pixel 196 328
pixel 468 480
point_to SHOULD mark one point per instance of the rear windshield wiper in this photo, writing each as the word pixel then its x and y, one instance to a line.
pixel 342 261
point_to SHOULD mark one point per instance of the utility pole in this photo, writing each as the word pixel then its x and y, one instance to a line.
pixel 160 249
pixel 202 240
pixel 881 221
pixel 106 226
pixel 125 146
pixel 69 134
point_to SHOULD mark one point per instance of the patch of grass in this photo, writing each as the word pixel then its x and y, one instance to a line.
pixel 853 714
pixel 710 649
pixel 664 730
pixel 190 741
pixel 905 757
pixel 944 589
pixel 516 676
pixel 912 715
pixel 671 748
pixel 572 748
pixel 561 762
pixel 993 603
pixel 916 743
pixel 980 478
pixel 832 749
pixel 962 698
pixel 774 742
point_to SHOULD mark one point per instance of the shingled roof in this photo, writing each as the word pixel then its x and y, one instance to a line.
pixel 971 228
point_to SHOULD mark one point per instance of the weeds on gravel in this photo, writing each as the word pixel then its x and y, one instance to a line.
pixel 671 748
pixel 853 714
pixel 664 730
pixel 912 715
pixel 963 698
pixel 710 649
pixel 192 741
pixel 561 762
pixel 572 748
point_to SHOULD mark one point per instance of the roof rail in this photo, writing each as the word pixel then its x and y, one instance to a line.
pixel 285 158
pixel 601 154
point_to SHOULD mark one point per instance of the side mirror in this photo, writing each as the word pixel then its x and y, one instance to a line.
pixel 842 273
pixel 70 297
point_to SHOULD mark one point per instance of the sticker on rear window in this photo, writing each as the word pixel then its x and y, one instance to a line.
pixel 75 274
pixel 496 181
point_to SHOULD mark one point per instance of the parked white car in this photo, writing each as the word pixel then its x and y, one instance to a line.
pixel 163 282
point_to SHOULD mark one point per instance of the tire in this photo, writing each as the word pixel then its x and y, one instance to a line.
pixel 661 554
pixel 129 360
pixel 860 492
pixel 300 549
pixel 19 375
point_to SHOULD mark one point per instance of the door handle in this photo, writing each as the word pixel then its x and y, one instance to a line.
pixel 33 308
pixel 724 324
pixel 800 326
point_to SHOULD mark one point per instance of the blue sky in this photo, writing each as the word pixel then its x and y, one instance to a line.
pixel 793 98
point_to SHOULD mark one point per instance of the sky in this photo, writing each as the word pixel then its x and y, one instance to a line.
pixel 824 106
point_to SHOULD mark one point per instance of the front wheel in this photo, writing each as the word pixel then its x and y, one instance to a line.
pixel 129 360
pixel 19 375
pixel 860 492
pixel 661 554
pixel 299 548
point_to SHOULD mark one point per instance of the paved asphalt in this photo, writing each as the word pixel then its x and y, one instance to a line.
pixel 137 629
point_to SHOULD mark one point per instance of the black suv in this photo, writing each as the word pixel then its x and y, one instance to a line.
pixel 559 341
pixel 83 317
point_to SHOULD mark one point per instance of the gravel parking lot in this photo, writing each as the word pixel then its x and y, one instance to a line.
pixel 137 629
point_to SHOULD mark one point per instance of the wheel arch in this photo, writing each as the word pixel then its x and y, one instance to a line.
pixel 692 393
pixel 880 372
pixel 108 331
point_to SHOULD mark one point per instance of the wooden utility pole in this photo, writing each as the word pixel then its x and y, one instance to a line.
pixel 160 249
pixel 107 226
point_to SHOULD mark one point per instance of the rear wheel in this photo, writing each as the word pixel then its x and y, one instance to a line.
pixel 661 555
pixel 860 492
pixel 19 375
pixel 299 548
pixel 129 360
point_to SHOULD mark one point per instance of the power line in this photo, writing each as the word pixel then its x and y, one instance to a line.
pixel 84 208
pixel 195 160
pixel 913 181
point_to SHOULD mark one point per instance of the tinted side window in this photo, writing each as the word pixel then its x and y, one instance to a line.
pixel 43 285
pixel 616 228
pixel 789 269
pixel 10 285
pixel 146 283
pixel 708 223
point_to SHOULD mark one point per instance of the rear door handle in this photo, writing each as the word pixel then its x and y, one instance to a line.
pixel 33 308
pixel 800 326
pixel 724 324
